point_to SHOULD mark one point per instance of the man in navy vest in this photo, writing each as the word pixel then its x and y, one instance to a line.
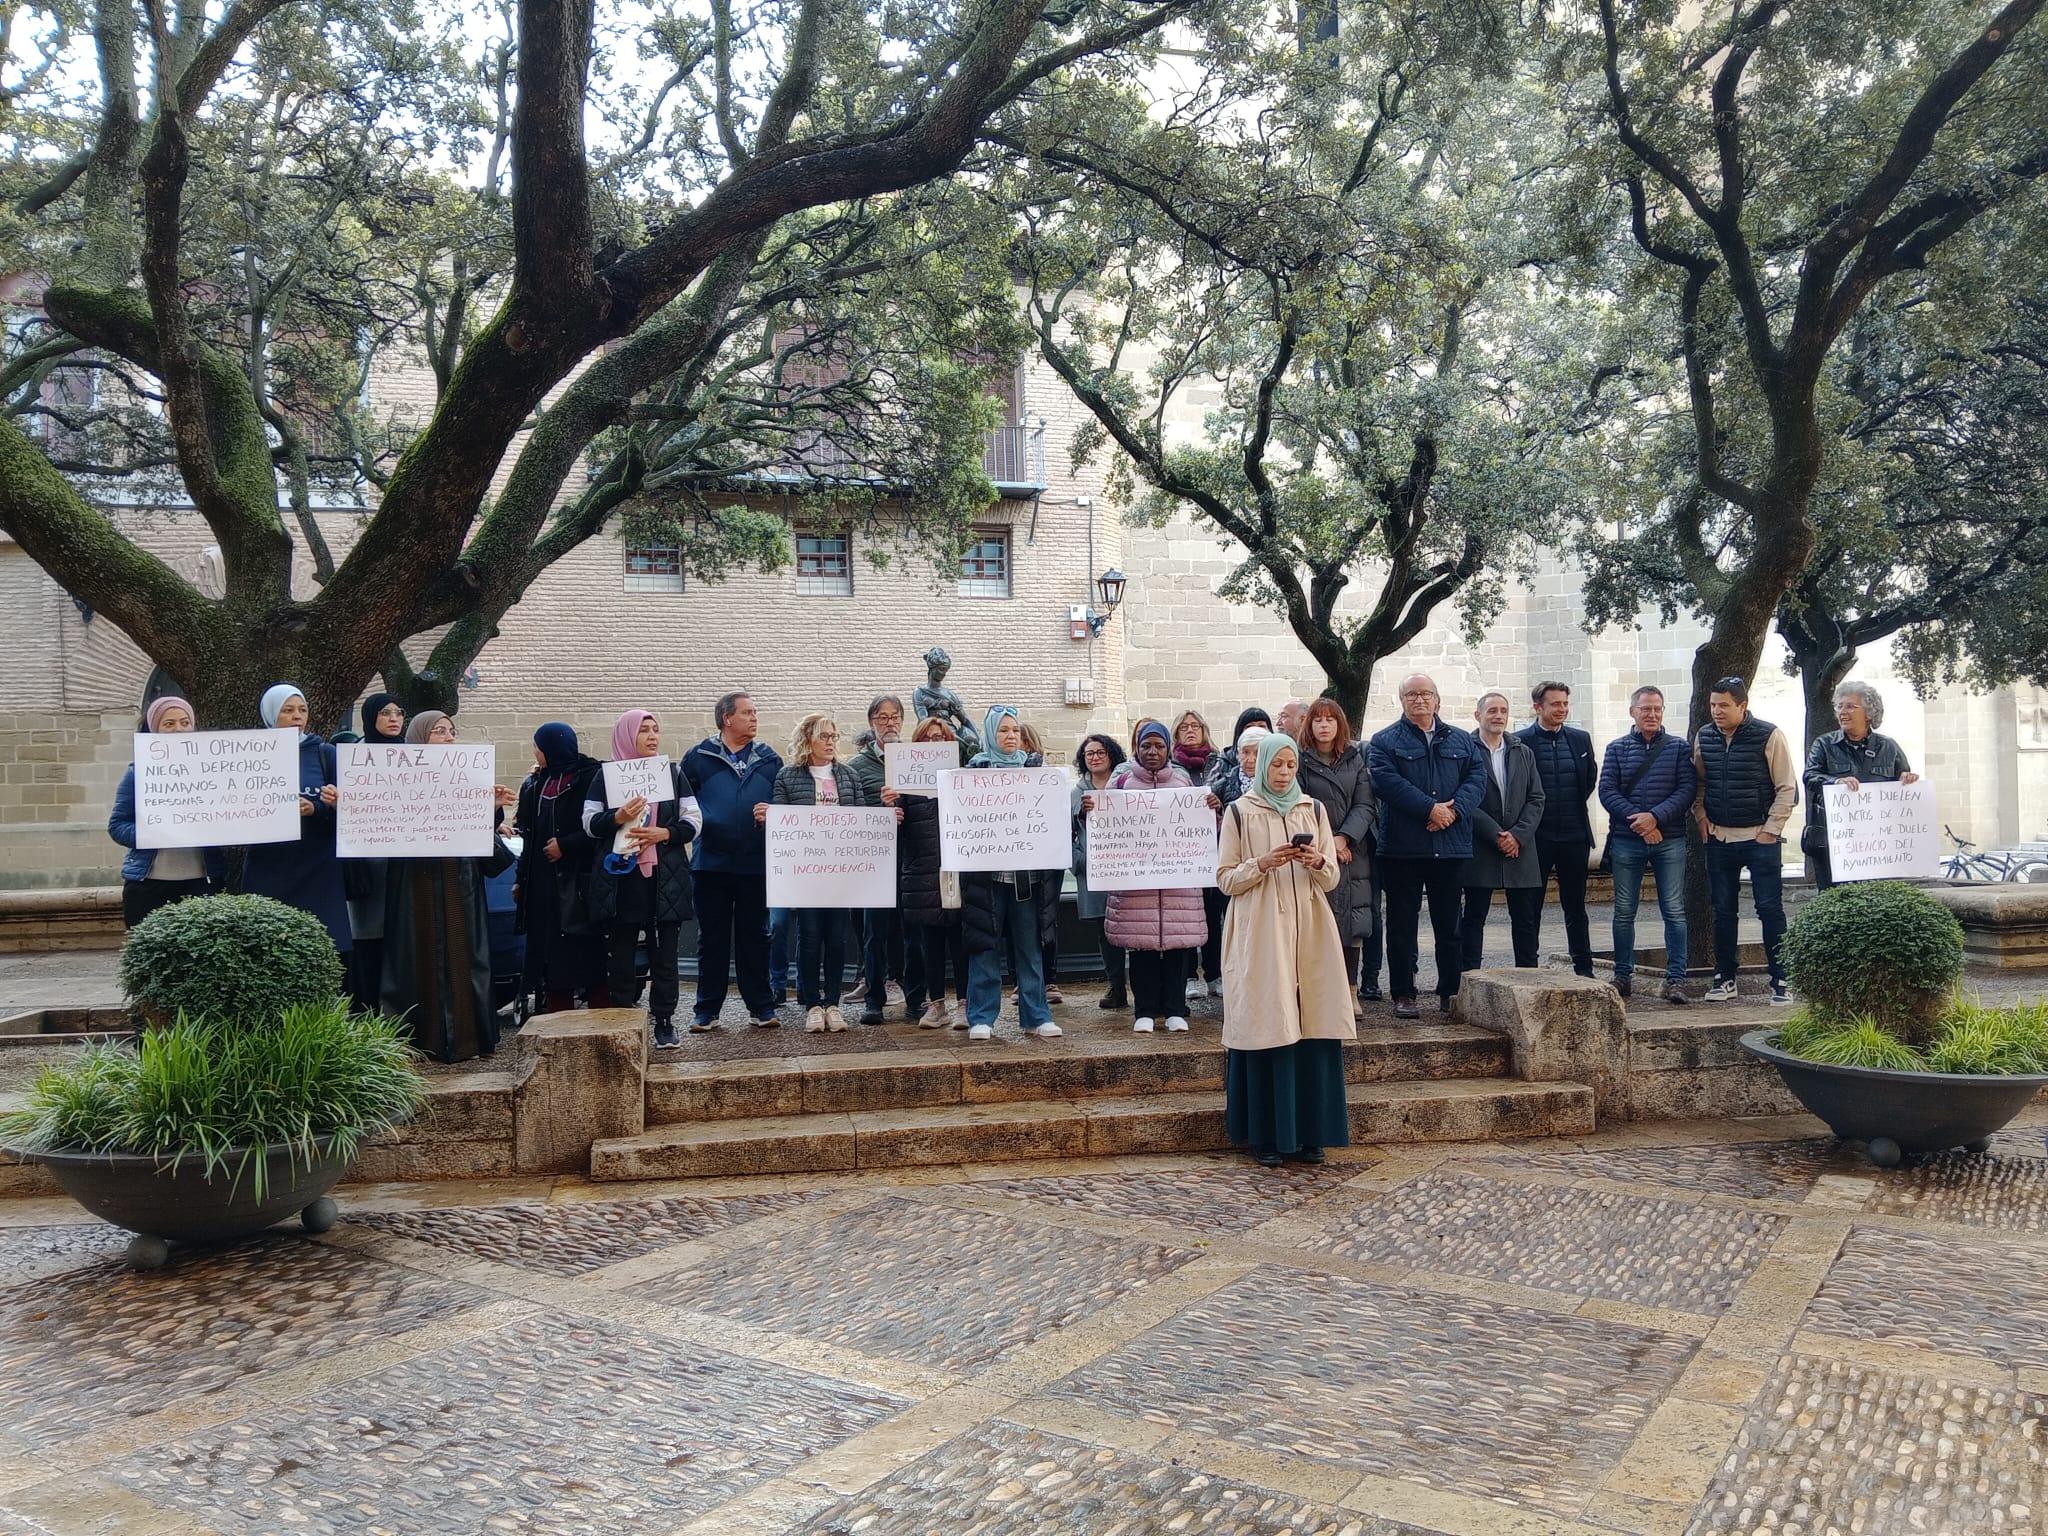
pixel 1429 777
pixel 1748 786
pixel 1564 838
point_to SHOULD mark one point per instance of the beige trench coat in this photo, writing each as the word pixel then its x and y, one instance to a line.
pixel 1283 966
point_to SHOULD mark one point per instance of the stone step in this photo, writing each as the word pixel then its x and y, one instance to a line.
pixel 1459 1109
pixel 1012 1071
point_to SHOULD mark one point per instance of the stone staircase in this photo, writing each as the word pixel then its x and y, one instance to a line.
pixel 1099 1092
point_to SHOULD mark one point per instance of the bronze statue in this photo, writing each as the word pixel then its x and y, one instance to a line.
pixel 936 701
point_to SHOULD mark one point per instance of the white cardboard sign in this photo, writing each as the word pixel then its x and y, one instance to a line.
pixel 208 789
pixel 1883 831
pixel 1151 840
pixel 404 800
pixel 1004 818
pixel 913 767
pixel 831 856
pixel 644 776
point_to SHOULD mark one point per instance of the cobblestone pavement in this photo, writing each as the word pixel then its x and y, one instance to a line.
pixel 1680 1330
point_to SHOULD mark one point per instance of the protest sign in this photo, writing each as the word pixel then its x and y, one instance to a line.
pixel 206 789
pixel 913 767
pixel 647 777
pixel 831 856
pixel 1004 818
pixel 414 801
pixel 1151 840
pixel 1883 832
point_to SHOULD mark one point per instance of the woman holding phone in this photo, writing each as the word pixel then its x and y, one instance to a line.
pixel 1286 1000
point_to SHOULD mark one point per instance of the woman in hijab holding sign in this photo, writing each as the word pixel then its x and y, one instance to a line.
pixel 156 877
pixel 305 874
pixel 1286 1002
pixel 1001 911
pixel 364 879
pixel 640 880
pixel 437 936
pixel 563 955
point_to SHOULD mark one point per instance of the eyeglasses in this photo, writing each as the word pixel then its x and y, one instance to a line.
pixel 1419 693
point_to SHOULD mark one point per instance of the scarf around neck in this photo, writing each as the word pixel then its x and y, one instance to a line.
pixel 1260 788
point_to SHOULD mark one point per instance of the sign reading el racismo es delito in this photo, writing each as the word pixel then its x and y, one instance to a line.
pixel 414 800
pixel 209 789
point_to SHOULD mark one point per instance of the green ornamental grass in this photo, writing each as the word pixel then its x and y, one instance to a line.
pixel 315 1077
pixel 1863 1044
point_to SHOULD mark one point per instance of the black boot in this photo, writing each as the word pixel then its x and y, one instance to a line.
pixel 1115 999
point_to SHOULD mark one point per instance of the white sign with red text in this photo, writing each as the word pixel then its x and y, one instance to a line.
pixel 831 856
pixel 994 819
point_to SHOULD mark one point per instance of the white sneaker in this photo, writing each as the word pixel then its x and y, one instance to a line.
pixel 979 1032
pixel 1721 992
pixel 835 1021
pixel 895 995
pixel 1046 1031
pixel 1176 1025
pixel 1195 989
pixel 933 1017
pixel 1216 986
pixel 859 994
pixel 814 1021
pixel 1142 1027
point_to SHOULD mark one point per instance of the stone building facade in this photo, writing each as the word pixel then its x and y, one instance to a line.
pixel 610 628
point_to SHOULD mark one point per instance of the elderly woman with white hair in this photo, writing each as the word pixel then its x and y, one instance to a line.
pixel 1853 756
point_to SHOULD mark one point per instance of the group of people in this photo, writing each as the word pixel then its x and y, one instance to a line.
pixel 1318 835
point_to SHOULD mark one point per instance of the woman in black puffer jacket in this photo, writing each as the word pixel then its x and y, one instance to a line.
pixel 921 896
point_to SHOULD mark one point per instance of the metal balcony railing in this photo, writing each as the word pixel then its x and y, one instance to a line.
pixel 1015 457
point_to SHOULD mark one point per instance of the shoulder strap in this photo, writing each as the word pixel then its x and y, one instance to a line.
pixel 1656 750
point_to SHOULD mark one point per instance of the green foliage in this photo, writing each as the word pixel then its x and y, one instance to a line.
pixel 312 1076
pixel 1975 1039
pixel 1863 1044
pixel 1799 1030
pixel 1875 949
pixel 229 959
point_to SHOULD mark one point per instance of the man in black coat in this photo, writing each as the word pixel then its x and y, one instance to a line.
pixel 1564 838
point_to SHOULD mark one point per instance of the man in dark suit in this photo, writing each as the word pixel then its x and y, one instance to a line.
pixel 1564 837
pixel 1503 840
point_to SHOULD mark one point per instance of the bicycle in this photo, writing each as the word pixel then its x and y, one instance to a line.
pixel 1966 863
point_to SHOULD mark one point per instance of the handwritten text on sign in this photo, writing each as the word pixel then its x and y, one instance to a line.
pixel 831 856
pixel 1004 818
pixel 414 801
pixel 1151 840
pixel 205 789
pixel 913 767
pixel 1883 832
pixel 647 777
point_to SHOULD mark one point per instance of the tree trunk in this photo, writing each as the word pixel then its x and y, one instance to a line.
pixel 1351 686
pixel 1820 677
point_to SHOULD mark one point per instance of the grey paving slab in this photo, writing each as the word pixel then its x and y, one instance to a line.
pixel 1219 1199
pixel 1763 1170
pixel 1938 1292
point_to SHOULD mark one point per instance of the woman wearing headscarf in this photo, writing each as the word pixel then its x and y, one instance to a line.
pixel 365 880
pixel 305 874
pixel 1158 928
pixel 1333 770
pixel 1230 771
pixel 1286 1003
pixel 1002 912
pixel 554 874
pixel 640 878
pixel 1096 760
pixel 156 877
pixel 921 894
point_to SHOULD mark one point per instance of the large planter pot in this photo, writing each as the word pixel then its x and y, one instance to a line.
pixel 1900 1112
pixel 175 1199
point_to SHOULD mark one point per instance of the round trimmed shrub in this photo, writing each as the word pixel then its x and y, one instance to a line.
pixel 1879 950
pixel 229 959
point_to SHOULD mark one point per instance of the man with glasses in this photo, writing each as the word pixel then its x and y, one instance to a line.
pixel 1749 784
pixel 1429 777
pixel 885 960
pixel 1647 784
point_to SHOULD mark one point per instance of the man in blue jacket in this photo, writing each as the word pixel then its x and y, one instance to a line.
pixel 1429 777
pixel 1647 784
pixel 734 776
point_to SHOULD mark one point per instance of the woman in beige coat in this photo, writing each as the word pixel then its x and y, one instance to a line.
pixel 1286 1002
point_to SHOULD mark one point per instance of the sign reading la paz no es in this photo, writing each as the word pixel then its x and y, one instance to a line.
pixel 414 800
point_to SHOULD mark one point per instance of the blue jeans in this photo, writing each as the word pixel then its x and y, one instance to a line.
pixel 1629 856
pixel 1766 865
pixel 1016 931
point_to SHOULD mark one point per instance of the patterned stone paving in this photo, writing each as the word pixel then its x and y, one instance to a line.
pixel 29 1253
pixel 574 1238
pixel 1995 1190
pixel 1007 1480
pixel 77 1357
pixel 1462 1393
pixel 1939 1293
pixel 1833 1447
pixel 607 1431
pixel 1222 1199
pixel 1655 1252
pixel 1763 1170
pixel 945 1287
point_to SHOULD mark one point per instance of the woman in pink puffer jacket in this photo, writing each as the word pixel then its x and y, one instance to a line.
pixel 1161 929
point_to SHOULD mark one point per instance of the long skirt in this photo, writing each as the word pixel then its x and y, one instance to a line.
pixel 437 958
pixel 1289 1098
